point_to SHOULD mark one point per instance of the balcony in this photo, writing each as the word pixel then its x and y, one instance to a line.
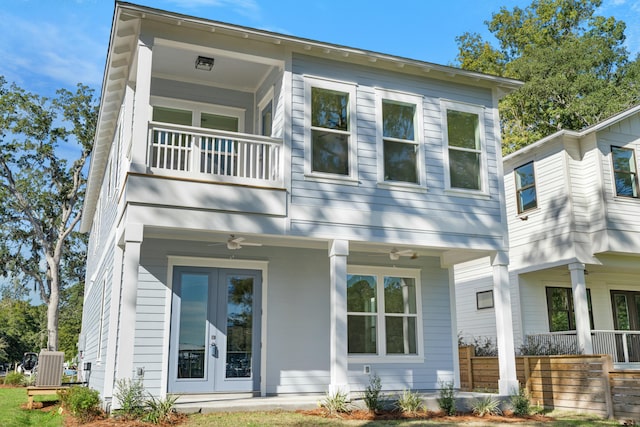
pixel 623 346
pixel 214 155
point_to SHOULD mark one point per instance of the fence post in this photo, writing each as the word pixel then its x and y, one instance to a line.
pixel 607 367
pixel 470 355
pixel 527 375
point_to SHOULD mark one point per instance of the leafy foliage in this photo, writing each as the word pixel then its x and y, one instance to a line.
pixel 336 403
pixel 160 410
pixel 372 393
pixel 410 402
pixel 537 347
pixel 520 403
pixel 482 346
pixel 23 328
pixel 487 405
pixel 42 192
pixel 130 396
pixel 14 378
pixel 71 301
pixel 82 402
pixel 447 398
pixel 574 64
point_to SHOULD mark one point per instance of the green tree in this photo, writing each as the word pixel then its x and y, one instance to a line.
pixel 42 191
pixel 23 328
pixel 574 64
pixel 70 319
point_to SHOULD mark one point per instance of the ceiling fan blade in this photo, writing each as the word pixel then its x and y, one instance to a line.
pixel 250 244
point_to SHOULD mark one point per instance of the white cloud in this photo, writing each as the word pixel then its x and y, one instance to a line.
pixel 66 53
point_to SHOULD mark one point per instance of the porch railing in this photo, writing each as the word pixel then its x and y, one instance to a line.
pixel 623 346
pixel 221 155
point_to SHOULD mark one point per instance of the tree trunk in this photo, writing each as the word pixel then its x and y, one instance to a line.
pixel 53 310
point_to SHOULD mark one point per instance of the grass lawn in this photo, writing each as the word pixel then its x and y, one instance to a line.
pixel 12 415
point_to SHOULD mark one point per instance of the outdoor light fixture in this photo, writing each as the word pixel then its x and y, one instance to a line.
pixel 204 63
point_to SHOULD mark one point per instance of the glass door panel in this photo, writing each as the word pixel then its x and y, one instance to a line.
pixel 626 317
pixel 239 326
pixel 193 325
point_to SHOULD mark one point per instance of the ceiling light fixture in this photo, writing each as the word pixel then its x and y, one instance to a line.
pixel 204 63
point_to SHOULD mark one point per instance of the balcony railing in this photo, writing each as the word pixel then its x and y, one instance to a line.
pixel 215 155
pixel 623 346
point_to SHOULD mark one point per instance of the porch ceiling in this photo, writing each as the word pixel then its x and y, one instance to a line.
pixel 178 63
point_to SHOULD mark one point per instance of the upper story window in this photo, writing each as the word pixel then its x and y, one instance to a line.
pixel 465 146
pixel 399 158
pixel 624 171
pixel 526 188
pixel 383 312
pixel 331 150
pixel 560 309
pixel 179 112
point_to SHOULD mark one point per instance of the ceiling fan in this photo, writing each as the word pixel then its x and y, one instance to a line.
pixel 234 243
pixel 395 254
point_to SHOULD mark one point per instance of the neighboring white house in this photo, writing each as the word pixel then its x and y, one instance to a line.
pixel 574 234
pixel 274 215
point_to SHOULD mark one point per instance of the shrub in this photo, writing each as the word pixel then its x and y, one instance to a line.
pixel 130 397
pixel 410 402
pixel 14 378
pixel 447 398
pixel 160 411
pixel 487 405
pixel 336 403
pixel 82 402
pixel 372 393
pixel 536 347
pixel 520 403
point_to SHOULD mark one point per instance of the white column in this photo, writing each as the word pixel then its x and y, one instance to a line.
pixel 141 109
pixel 129 294
pixel 581 307
pixel 338 251
pixel 508 381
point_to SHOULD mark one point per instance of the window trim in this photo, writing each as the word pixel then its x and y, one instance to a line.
pixel 381 272
pixel 479 110
pixel 418 120
pixel 334 85
pixel 484 307
pixel 635 174
pixel 267 98
pixel 519 190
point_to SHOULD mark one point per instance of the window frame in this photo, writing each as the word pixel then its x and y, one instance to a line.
pixel 446 105
pixel 380 315
pixel 570 308
pixel 267 98
pixel 484 307
pixel 197 108
pixel 634 173
pixel 336 86
pixel 383 95
pixel 520 209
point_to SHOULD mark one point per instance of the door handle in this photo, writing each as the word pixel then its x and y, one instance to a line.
pixel 214 347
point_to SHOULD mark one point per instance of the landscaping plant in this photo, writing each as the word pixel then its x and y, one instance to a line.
pixel 447 398
pixel 160 410
pixel 130 396
pixel 372 393
pixel 336 403
pixel 520 403
pixel 410 402
pixel 487 405
pixel 82 402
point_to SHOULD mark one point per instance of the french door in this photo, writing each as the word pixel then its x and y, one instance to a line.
pixel 215 330
pixel 626 317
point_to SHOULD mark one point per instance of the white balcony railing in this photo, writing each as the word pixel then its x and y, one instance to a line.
pixel 623 346
pixel 221 155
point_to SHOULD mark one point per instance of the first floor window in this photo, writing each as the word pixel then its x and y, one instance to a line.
pixel 624 171
pixel 382 313
pixel 560 309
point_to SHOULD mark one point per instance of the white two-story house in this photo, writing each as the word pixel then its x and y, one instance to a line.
pixel 271 214
pixel 573 211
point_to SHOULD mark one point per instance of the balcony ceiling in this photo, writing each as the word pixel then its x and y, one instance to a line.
pixel 229 72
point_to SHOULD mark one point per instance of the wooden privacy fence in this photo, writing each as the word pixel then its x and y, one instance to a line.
pixel 585 383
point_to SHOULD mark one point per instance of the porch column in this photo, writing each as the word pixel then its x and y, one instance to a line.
pixel 338 251
pixel 129 294
pixel 581 307
pixel 508 381
pixel 141 108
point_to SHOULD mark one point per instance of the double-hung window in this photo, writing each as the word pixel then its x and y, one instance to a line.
pixel 330 128
pixel 399 133
pixel 383 313
pixel 624 171
pixel 526 188
pixel 464 141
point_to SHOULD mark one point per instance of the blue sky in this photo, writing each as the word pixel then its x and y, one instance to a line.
pixel 49 44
